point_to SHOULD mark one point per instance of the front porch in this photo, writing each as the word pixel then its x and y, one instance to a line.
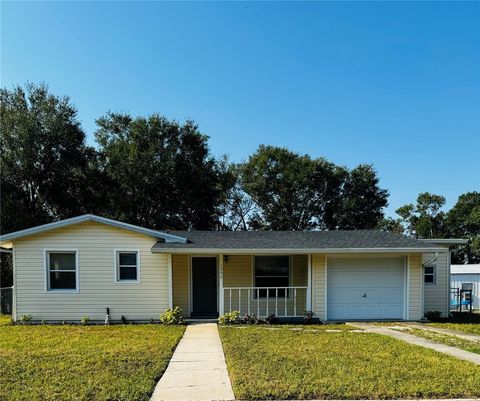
pixel 263 285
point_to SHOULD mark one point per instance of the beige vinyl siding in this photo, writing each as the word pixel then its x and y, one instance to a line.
pixel 97 288
pixel 436 295
pixel 181 283
pixel 319 283
pixel 237 272
pixel 415 281
pixel 299 270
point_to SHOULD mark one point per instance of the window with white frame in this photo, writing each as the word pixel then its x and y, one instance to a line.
pixel 127 266
pixel 429 275
pixel 61 270
pixel 272 272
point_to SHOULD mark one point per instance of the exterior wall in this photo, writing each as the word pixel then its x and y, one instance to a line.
pixel 319 283
pixel 456 281
pixel 237 272
pixel 97 288
pixel 436 295
pixel 415 284
pixel 181 282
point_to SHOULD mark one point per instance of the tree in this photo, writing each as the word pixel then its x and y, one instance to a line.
pixel 425 219
pixel 296 192
pixel 161 173
pixel 43 158
pixel 360 201
pixel 463 221
pixel 391 225
pixel 239 210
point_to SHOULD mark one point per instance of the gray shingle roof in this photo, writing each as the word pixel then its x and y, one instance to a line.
pixel 256 240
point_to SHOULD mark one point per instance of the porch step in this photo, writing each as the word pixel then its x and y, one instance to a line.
pixel 198 320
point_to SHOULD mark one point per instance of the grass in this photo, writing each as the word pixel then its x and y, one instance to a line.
pixel 471 328
pixel 5 319
pixel 472 346
pixel 286 364
pixel 91 363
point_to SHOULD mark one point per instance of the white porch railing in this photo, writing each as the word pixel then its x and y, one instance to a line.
pixel 265 301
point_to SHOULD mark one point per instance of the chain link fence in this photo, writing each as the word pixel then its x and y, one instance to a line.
pixel 6 300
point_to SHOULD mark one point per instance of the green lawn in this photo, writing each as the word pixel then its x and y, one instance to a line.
pixel 83 363
pixel 286 364
pixel 472 328
pixel 5 319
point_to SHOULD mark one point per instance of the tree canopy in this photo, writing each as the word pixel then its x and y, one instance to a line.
pixel 160 173
pixel 296 192
pixel 43 157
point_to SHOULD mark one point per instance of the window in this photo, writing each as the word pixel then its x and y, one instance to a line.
pixel 61 270
pixel 429 275
pixel 127 266
pixel 272 271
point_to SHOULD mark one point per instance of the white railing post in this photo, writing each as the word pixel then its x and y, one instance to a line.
pixel 258 302
pixel 309 284
pixel 249 294
pixel 220 288
pixel 170 280
pixel 294 302
pixel 276 302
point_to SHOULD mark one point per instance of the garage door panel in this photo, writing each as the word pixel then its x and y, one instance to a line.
pixel 365 288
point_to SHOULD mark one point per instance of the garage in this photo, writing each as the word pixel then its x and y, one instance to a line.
pixel 363 288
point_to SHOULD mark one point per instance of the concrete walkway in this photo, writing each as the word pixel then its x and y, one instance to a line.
pixel 465 336
pixel 197 370
pixel 422 342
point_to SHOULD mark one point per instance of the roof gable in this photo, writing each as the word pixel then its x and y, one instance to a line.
pixel 160 235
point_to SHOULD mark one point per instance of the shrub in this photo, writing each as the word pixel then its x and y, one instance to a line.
pixel 172 316
pixel 252 319
pixel 85 320
pixel 124 319
pixel 433 316
pixel 308 318
pixel 26 318
pixel 272 319
pixel 232 317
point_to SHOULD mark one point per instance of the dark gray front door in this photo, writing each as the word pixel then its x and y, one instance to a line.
pixel 204 286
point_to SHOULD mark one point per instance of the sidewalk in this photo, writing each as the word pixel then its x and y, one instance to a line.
pixel 422 342
pixel 197 370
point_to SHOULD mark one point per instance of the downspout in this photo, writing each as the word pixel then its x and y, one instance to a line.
pixel 433 260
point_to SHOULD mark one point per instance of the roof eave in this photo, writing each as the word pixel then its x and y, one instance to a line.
pixel 298 251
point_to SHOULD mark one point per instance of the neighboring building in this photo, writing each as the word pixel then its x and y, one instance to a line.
pixel 83 265
pixel 467 277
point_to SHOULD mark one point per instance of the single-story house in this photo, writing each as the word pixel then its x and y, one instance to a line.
pixel 466 277
pixel 83 265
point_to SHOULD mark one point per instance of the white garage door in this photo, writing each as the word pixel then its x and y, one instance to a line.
pixel 365 288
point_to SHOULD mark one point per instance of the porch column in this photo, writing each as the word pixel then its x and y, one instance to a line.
pixel 220 286
pixel 170 281
pixel 309 283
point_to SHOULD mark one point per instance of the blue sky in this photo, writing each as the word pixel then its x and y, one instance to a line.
pixel 393 84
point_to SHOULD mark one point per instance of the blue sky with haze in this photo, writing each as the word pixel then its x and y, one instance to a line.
pixel 393 84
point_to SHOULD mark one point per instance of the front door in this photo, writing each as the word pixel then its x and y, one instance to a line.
pixel 204 286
